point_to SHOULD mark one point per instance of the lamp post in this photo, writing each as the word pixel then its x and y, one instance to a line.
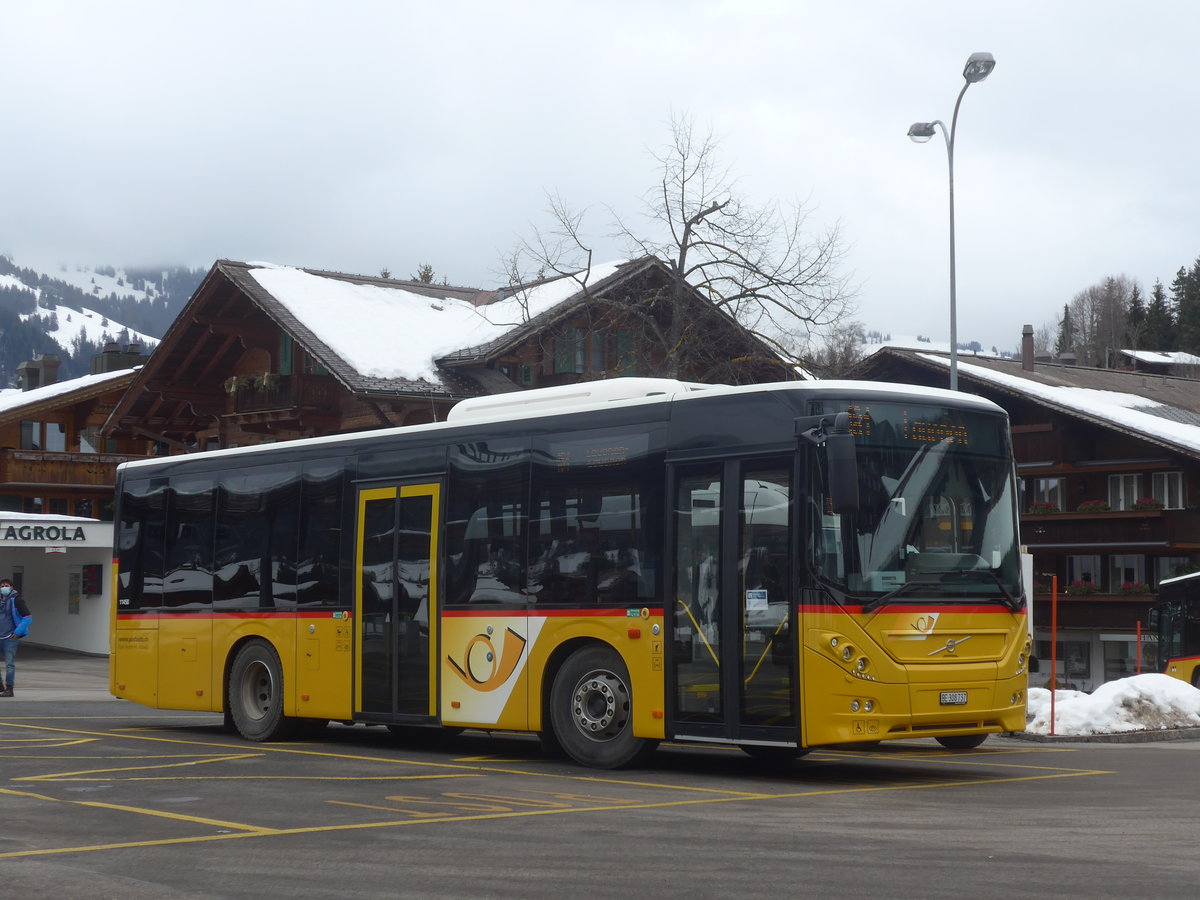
pixel 978 67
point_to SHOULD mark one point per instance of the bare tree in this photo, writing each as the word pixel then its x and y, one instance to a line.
pixel 758 264
pixel 1098 317
pixel 835 353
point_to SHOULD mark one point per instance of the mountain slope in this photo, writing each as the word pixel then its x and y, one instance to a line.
pixel 74 312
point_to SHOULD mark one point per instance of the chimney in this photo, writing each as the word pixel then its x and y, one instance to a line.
pixel 1027 348
pixel 39 372
pixel 114 358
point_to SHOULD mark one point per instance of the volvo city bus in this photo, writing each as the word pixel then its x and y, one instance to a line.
pixel 1175 623
pixel 608 565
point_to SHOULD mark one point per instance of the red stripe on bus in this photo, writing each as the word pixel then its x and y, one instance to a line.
pixel 582 612
pixel 263 614
pixel 921 608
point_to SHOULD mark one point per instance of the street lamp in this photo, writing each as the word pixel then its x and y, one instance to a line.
pixel 978 67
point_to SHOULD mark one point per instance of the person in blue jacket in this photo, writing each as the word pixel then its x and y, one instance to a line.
pixel 14 625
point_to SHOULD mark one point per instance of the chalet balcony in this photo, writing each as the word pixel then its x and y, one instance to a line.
pixel 1134 528
pixel 255 394
pixel 28 467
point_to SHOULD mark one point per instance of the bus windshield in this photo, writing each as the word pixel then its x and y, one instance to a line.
pixel 936 512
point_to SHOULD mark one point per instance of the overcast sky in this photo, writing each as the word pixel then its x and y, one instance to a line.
pixel 359 135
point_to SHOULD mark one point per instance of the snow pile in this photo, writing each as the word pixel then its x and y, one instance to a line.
pixel 1139 703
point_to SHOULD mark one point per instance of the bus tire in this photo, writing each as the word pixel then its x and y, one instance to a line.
pixel 773 756
pixel 255 694
pixel 962 741
pixel 591 709
pixel 1196 677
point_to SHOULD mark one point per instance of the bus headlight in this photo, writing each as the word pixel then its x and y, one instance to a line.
pixel 869 705
pixel 862 664
pixel 854 705
pixel 847 652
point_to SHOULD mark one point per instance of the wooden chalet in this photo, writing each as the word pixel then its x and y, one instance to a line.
pixel 264 353
pixel 53 458
pixel 1109 466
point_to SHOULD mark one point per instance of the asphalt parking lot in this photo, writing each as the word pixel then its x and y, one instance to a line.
pixel 102 798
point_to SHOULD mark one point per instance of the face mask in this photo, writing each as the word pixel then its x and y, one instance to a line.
pixel 6 590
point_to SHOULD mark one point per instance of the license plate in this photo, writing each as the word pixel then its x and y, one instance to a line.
pixel 954 698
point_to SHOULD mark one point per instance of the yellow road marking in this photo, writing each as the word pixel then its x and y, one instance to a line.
pixel 361 826
pixel 179 817
pixel 243 830
pixel 143 768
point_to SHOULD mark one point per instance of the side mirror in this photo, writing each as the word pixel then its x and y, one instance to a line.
pixel 1034 665
pixel 843 466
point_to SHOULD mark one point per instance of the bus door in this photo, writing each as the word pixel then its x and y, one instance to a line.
pixel 396 601
pixel 732 618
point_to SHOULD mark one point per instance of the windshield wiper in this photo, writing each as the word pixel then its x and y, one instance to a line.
pixel 950 575
pixel 1008 599
pixel 907 588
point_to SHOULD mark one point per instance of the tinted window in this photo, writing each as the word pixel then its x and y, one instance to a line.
pixel 140 543
pixel 485 524
pixel 258 515
pixel 594 523
pixel 187 574
pixel 320 534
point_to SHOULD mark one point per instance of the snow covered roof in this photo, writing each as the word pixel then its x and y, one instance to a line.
pixel 1163 358
pixel 12 402
pixel 380 335
pixel 1161 409
pixel 389 331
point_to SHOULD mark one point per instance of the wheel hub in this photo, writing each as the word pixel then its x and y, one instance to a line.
pixel 598 705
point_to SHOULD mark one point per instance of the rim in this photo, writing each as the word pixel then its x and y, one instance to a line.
pixel 600 705
pixel 258 690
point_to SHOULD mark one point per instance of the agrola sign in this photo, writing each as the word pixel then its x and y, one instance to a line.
pixel 56 534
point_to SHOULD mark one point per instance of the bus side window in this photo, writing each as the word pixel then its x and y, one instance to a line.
pixel 486 527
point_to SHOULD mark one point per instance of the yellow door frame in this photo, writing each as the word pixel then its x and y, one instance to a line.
pixel 432 490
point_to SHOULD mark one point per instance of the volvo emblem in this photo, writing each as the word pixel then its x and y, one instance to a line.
pixel 951 645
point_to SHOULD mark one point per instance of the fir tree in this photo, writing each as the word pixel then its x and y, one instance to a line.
pixel 1066 339
pixel 1185 291
pixel 1160 321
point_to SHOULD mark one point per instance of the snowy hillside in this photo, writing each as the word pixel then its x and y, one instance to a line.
pixel 65 326
pixel 73 311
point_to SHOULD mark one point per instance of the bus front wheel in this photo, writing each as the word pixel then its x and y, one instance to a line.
pixel 962 741
pixel 591 708
pixel 256 694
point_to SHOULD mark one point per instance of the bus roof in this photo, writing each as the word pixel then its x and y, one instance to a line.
pixel 598 395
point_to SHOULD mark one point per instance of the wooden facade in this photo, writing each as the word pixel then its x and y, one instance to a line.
pixel 53 457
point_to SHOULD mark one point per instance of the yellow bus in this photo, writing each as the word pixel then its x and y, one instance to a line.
pixel 1175 626
pixel 608 565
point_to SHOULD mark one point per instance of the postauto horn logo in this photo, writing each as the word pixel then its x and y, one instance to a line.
pixel 482 668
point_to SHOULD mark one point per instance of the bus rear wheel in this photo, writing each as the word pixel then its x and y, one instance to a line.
pixel 962 741
pixel 591 709
pixel 255 694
